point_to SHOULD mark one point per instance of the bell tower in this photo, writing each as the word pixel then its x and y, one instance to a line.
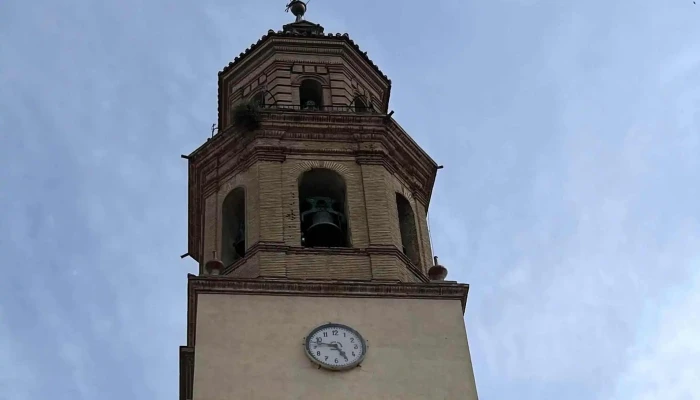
pixel 307 216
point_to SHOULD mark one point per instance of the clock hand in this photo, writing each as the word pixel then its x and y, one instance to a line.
pixel 336 346
pixel 331 345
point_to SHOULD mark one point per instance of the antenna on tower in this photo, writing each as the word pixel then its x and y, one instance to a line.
pixel 430 237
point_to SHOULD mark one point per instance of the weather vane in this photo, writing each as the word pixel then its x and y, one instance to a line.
pixel 298 8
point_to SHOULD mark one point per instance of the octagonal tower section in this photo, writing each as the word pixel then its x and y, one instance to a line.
pixel 309 176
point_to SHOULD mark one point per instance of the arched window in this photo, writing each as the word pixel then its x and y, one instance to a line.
pixel 322 209
pixel 407 226
pixel 359 105
pixel 233 226
pixel 310 95
pixel 259 98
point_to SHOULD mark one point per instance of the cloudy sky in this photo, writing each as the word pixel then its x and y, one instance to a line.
pixel 569 131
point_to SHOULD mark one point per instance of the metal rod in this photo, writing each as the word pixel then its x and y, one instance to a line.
pixel 430 237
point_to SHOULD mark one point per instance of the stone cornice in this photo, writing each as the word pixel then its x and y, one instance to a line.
pixel 418 162
pixel 284 287
pixel 338 127
pixel 303 40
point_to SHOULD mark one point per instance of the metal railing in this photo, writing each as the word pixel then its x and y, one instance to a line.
pixel 303 107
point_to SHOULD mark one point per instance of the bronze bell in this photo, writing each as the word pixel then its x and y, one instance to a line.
pixel 322 225
pixel 310 105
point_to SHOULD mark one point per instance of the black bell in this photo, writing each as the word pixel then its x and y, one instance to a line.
pixel 322 225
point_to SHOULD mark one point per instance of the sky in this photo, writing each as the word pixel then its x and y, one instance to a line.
pixel 569 132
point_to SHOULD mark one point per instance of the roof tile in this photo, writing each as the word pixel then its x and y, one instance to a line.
pixel 337 36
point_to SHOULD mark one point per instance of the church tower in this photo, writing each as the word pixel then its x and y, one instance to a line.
pixel 307 215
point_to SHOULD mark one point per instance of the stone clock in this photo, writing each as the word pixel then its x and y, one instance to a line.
pixel 335 346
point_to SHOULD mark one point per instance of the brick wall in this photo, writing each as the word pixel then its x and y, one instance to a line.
pixel 279 73
pixel 272 212
pixel 272 203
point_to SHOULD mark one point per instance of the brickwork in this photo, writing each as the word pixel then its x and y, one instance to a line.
pixel 249 268
pixel 273 265
pixel 423 236
pixel 272 212
pixel 270 201
pixel 384 181
pixel 328 266
pixel 420 214
pixel 385 267
pixel 276 68
pixel 211 229
pixel 377 205
pixel 279 66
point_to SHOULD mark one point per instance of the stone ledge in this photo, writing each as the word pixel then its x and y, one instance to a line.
pixel 281 247
pixel 286 287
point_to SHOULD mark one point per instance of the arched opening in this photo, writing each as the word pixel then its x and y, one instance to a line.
pixel 233 226
pixel 311 95
pixel 407 226
pixel 322 209
pixel 259 99
pixel 359 105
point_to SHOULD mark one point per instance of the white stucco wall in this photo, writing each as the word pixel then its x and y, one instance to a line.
pixel 250 347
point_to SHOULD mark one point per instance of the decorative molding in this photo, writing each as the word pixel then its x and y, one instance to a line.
pixel 348 119
pixel 301 76
pixel 280 247
pixel 308 165
pixel 228 187
pixel 307 288
pixel 405 193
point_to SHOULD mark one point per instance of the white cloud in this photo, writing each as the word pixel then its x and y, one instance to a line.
pixel 569 132
pixel 664 361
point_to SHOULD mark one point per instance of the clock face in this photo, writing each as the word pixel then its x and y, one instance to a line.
pixel 335 346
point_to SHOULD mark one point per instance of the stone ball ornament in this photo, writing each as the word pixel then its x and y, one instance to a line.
pixel 437 272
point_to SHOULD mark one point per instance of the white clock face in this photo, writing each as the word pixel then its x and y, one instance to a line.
pixel 335 346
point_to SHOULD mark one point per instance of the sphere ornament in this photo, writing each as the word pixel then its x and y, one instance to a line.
pixel 437 272
pixel 214 266
pixel 298 8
